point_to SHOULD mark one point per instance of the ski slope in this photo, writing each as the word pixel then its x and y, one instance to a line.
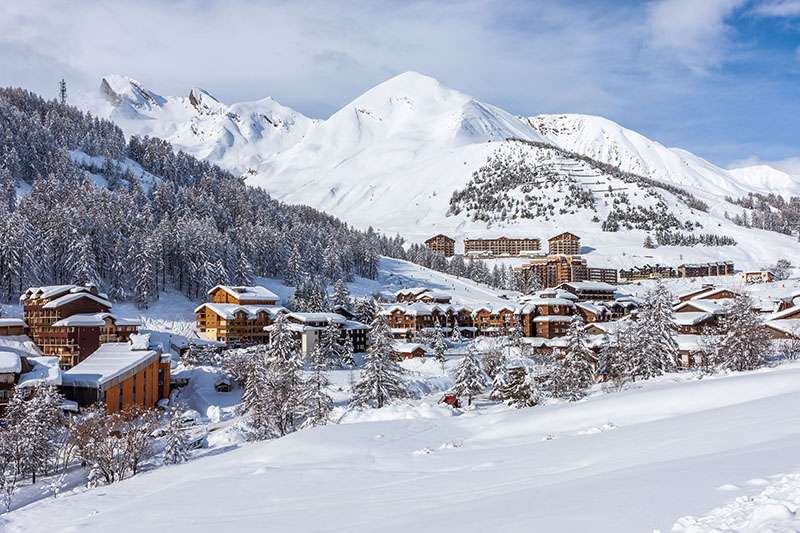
pixel 629 461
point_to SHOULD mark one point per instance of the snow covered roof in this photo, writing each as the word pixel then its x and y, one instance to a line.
pixel 690 318
pixel 413 291
pixel 716 307
pixel 83 320
pixel 691 342
pixel 44 371
pixel 227 311
pixel 595 309
pixel 423 309
pixel 607 327
pixel 47 291
pixel 790 326
pixel 353 325
pixel 253 294
pixel 712 292
pixel 73 296
pixel 591 286
pixel 10 363
pixel 785 313
pixel 317 317
pixel 408 347
pixel 110 361
pixel 10 322
pixel 95 320
pixel 694 292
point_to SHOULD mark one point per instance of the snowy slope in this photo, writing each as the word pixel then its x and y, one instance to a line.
pixel 630 461
pixel 393 157
pixel 609 142
pixel 765 177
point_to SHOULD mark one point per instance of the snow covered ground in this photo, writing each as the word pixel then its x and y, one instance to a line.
pixel 629 461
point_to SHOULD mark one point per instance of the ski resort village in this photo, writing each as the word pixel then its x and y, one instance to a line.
pixel 418 311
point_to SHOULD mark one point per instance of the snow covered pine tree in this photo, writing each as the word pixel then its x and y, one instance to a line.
pixel 517 387
pixel 574 374
pixel 470 379
pixel 655 350
pixel 743 342
pixel 382 379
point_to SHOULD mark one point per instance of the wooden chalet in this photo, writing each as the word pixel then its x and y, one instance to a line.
pixel 12 326
pixel 757 276
pixel 564 244
pixel 408 320
pixel 242 295
pixel 442 244
pixel 695 292
pixel 234 323
pixel 120 375
pixel 409 350
pixel 71 321
pixel 784 324
pixel 590 290
pixel 421 294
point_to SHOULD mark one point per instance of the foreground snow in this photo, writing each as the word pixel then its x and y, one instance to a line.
pixel 629 461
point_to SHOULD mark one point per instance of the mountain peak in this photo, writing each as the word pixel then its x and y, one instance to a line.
pixel 121 90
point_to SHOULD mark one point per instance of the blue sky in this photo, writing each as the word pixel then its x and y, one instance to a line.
pixel 717 77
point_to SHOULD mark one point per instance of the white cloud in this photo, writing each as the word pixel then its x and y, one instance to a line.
pixel 316 55
pixel 693 32
pixel 778 8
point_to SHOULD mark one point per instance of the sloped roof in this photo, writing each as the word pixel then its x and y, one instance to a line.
pixel 110 361
pixel 251 293
pixel 74 296
pixel 227 311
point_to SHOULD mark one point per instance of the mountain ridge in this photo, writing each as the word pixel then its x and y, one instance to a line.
pixel 395 157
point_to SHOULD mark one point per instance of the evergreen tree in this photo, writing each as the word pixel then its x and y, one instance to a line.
pixel 455 336
pixel 470 379
pixel 575 374
pixel 382 379
pixel 494 361
pixel 438 346
pixel 365 310
pixel 517 387
pixel 655 351
pixel 743 342
pixel 258 397
pixel 347 352
pixel 317 404
pixel 341 296
pixel 614 357
pixel 176 448
pixel 331 349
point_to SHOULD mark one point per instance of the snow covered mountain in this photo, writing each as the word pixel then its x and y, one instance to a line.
pixel 236 136
pixel 405 156
pixel 611 143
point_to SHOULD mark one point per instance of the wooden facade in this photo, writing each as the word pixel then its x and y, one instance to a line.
pixel 554 270
pixel 120 377
pixel 442 244
pixel 234 324
pixel 564 244
pixel 72 321
pixel 502 246
pixel 696 270
pixel 12 326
